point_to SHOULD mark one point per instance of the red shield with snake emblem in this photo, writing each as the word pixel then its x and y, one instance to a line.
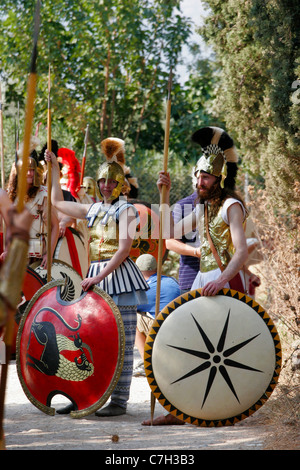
pixel 147 237
pixel 31 284
pixel 74 349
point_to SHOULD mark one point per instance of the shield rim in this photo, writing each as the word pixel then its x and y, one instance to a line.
pixel 33 272
pixel 36 264
pixel 121 351
pixel 55 261
pixel 18 317
pixel 150 375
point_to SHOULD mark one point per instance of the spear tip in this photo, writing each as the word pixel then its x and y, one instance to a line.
pixel 170 83
pixel 86 138
pixel 37 20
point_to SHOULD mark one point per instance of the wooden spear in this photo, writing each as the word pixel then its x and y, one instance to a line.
pixel 49 177
pixel 2 164
pixel 21 192
pixel 17 137
pixel 2 144
pixel 31 89
pixel 86 139
pixel 162 213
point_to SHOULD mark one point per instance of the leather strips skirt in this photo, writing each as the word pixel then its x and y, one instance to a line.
pixel 125 282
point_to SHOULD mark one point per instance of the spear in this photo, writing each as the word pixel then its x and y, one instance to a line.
pixel 86 139
pixel 49 168
pixel 2 163
pixel 2 145
pixel 31 89
pixel 162 210
pixel 22 188
pixel 17 135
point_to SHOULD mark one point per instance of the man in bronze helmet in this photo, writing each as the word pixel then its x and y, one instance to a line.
pixel 219 216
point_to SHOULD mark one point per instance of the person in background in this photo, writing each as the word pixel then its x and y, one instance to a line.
pixel 91 189
pixel 112 225
pixel 36 203
pixel 169 290
pixel 188 246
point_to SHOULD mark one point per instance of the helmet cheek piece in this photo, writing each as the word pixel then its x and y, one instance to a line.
pixel 112 170
pixel 214 164
pixel 90 186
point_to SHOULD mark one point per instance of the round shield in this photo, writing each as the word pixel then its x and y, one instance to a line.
pixel 31 284
pixel 212 361
pixel 61 270
pixel 74 349
pixel 73 250
pixel 147 237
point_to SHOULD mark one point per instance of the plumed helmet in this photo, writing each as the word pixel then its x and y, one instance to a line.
pixel 71 164
pixel 218 150
pixel 114 152
pixel 90 187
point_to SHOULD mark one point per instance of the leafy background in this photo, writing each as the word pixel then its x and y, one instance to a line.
pixel 110 62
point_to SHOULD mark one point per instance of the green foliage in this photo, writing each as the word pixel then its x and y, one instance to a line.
pixel 192 108
pixel 110 62
pixel 257 49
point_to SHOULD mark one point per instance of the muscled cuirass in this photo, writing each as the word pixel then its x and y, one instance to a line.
pixel 104 236
pixel 221 237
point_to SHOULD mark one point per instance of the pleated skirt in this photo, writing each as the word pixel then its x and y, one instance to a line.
pixel 126 284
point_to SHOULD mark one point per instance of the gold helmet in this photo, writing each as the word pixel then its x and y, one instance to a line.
pixel 33 162
pixel 90 187
pixel 114 151
pixel 218 150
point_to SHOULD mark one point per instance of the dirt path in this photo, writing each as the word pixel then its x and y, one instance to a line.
pixel 27 428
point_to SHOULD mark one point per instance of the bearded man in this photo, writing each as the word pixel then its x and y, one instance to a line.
pixel 224 248
pixel 219 217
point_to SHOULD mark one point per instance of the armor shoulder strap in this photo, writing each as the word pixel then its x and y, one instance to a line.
pixel 93 212
pixel 114 211
pixel 122 205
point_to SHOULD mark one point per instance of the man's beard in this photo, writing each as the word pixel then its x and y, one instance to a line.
pixel 210 194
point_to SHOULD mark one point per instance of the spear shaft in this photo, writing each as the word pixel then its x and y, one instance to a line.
pixel 163 196
pixel 2 165
pixel 2 144
pixel 49 177
pixel 17 134
pixel 31 89
pixel 21 192
pixel 162 212
pixel 86 138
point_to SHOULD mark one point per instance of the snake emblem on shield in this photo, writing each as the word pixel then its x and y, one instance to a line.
pixel 57 350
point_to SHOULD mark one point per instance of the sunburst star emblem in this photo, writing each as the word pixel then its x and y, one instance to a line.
pixel 212 361
pixel 217 358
